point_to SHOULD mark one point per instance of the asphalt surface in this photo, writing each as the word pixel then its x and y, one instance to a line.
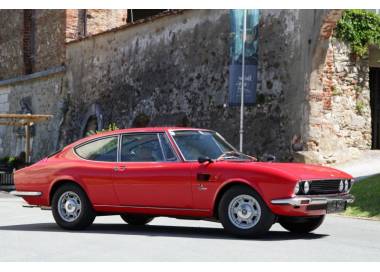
pixel 29 234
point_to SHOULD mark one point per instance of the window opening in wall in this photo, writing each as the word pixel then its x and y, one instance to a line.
pixel 139 14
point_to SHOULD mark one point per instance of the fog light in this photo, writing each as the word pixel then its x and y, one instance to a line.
pixel 306 187
pixel 341 186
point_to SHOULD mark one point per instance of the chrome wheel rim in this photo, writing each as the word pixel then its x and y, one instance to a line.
pixel 244 211
pixel 69 206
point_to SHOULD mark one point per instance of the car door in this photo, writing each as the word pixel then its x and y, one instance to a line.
pixel 149 173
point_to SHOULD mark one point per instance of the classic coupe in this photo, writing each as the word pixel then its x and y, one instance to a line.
pixel 190 173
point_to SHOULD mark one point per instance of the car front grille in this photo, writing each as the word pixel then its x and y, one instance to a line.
pixel 318 187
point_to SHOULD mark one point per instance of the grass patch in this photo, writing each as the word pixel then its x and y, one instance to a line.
pixel 367 198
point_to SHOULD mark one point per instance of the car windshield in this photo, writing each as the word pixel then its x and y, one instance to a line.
pixel 197 143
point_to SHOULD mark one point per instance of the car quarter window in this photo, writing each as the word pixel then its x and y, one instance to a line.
pixel 141 148
pixel 167 148
pixel 104 149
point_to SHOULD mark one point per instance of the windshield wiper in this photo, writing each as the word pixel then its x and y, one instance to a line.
pixel 233 155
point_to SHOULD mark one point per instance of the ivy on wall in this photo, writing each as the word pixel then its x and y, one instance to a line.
pixel 360 29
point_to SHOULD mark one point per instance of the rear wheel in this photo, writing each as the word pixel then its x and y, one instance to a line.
pixel 301 225
pixel 136 219
pixel 71 208
pixel 242 212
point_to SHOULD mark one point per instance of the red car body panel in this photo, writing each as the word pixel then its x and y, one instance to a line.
pixel 166 188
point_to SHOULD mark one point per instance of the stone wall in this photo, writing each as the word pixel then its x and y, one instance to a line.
pixel 340 118
pixel 49 43
pixel 11 45
pixel 174 70
pixel 81 23
pixel 42 96
pixel 312 98
pixel 4 108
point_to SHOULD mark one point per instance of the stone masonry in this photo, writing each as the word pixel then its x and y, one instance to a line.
pixel 340 118
pixel 312 94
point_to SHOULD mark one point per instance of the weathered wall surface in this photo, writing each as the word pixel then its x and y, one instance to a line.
pixel 312 98
pixel 49 43
pixel 176 67
pixel 42 96
pixel 340 117
pixel 80 22
pixel 11 43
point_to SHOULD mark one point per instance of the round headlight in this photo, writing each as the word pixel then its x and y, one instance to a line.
pixel 306 187
pixel 297 188
pixel 341 186
pixel 346 185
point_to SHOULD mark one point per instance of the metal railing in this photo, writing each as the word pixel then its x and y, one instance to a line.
pixel 6 181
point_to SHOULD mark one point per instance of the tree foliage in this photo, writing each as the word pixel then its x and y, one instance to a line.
pixel 360 29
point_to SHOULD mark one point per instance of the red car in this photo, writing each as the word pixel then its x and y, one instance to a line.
pixel 184 173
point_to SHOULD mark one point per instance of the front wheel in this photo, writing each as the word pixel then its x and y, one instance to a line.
pixel 136 219
pixel 301 225
pixel 71 208
pixel 242 212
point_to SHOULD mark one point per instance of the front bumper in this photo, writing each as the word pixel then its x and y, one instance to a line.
pixel 311 205
pixel 312 200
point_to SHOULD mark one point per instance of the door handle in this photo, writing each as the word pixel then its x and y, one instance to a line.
pixel 121 168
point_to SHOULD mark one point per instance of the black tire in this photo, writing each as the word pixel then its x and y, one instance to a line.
pixel 264 223
pixel 301 225
pixel 136 219
pixel 86 214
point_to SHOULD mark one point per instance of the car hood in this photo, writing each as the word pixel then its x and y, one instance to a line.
pixel 307 171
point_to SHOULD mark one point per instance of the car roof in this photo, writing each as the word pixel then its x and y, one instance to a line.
pixel 129 130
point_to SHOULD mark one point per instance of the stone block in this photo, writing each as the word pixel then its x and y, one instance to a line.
pixel 4 108
pixel 3 98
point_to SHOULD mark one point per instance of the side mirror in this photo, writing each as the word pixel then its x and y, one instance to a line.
pixel 204 159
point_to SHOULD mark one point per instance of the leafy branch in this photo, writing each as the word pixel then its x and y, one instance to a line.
pixel 360 29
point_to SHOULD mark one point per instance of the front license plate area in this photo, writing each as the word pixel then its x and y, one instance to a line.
pixel 336 206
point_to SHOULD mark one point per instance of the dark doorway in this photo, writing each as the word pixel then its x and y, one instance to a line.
pixel 374 85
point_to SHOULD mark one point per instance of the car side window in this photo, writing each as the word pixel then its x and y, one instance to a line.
pixel 167 148
pixel 104 149
pixel 141 148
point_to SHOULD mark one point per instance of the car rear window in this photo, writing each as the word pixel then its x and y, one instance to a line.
pixel 104 149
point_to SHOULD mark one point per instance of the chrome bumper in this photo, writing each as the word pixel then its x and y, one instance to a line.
pixel 312 200
pixel 20 193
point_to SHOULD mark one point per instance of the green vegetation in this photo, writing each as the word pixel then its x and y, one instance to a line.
pixel 359 28
pixel 360 107
pixel 111 127
pixel 367 198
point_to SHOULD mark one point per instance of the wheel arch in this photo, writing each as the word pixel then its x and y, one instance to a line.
pixel 59 182
pixel 228 185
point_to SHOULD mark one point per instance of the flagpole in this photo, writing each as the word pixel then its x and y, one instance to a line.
pixel 242 82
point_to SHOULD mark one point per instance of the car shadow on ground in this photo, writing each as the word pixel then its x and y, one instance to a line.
pixel 163 231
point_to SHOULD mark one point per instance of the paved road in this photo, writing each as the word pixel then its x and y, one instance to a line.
pixel 31 235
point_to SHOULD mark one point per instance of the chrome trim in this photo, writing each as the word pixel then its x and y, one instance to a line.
pixel 180 151
pixel 296 201
pixel 150 207
pixel 94 140
pixel 21 193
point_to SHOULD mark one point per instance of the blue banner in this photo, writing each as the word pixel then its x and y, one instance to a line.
pixel 251 56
